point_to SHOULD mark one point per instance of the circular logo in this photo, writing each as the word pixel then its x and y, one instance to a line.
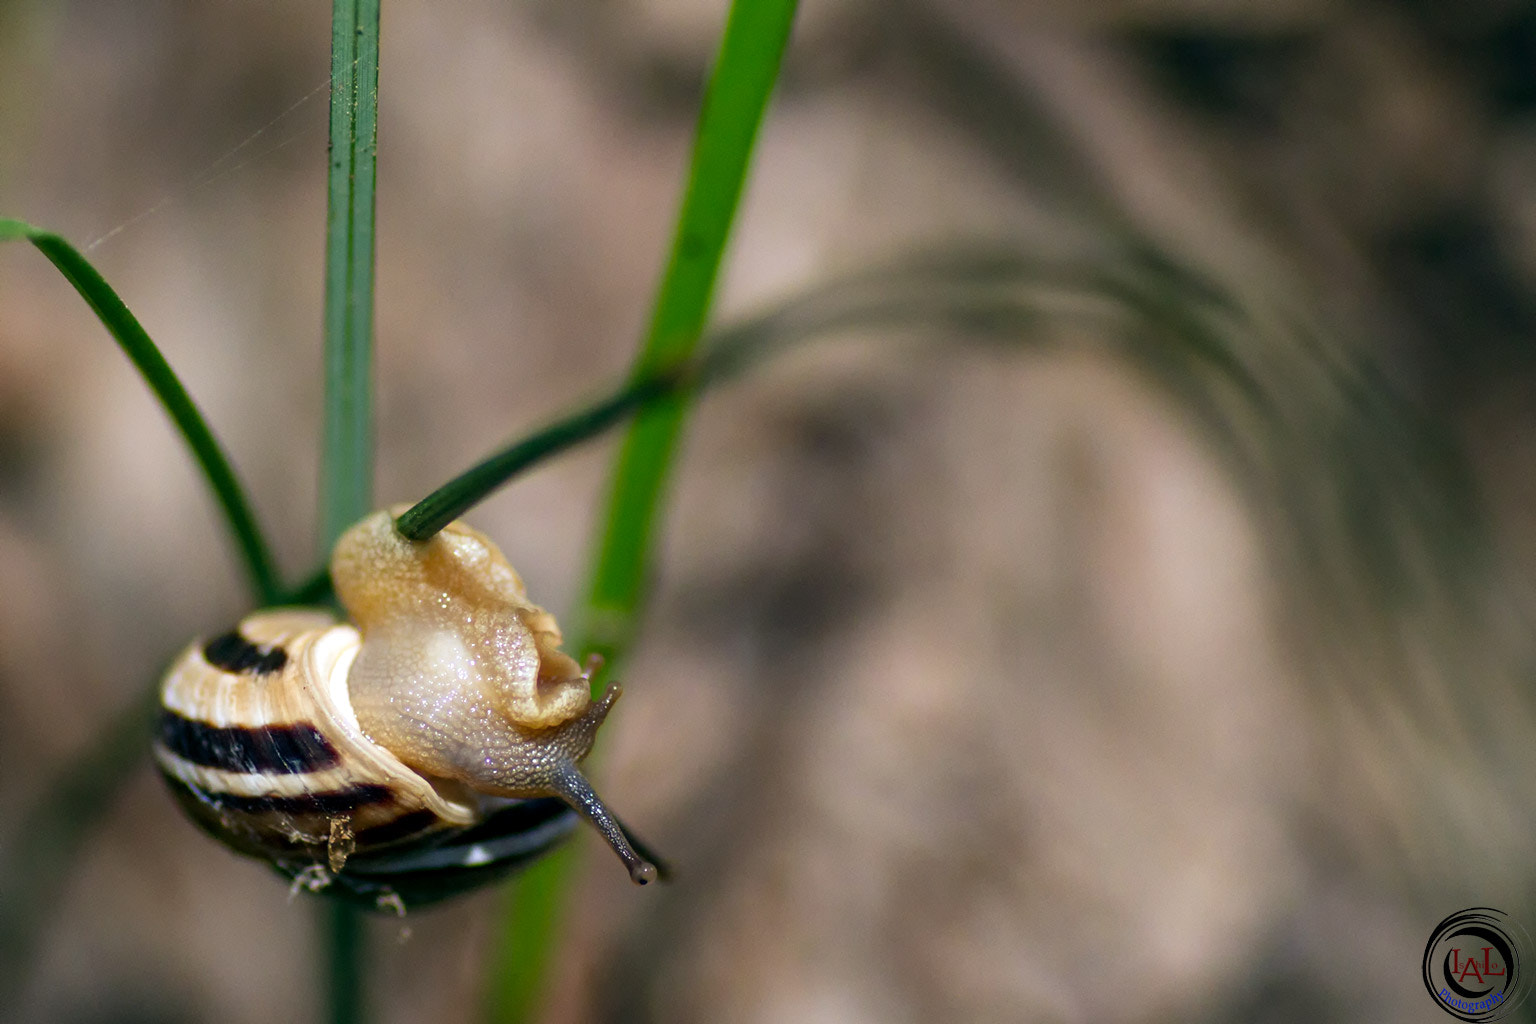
pixel 1474 965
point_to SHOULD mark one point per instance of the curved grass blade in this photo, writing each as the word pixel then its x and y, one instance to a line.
pixel 464 491
pixel 913 294
pixel 1175 324
pixel 157 373
pixel 37 861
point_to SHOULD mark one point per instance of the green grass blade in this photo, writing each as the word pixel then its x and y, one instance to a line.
pixel 157 373
pixel 347 455
pixel 756 34
pixel 346 461
pixel 458 495
pixel 531 910
pixel 346 962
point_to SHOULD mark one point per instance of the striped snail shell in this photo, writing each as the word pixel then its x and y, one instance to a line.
pixel 426 747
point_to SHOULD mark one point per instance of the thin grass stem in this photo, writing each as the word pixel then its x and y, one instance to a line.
pixel 347 446
pixel 458 495
pixel 346 483
pixel 167 387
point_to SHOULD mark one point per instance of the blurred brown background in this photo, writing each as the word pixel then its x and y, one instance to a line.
pixel 975 688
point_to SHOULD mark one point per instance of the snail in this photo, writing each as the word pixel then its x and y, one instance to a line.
pixel 425 747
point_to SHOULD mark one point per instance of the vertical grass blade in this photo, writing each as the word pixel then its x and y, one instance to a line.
pixel 751 51
pixel 346 486
pixel 756 34
pixel 346 962
pixel 157 373
pixel 531 910
pixel 346 482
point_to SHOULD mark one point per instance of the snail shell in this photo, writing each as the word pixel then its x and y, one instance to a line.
pixel 426 747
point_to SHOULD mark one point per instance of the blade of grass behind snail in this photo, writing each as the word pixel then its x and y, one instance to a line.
pixel 346 458
pixel 746 68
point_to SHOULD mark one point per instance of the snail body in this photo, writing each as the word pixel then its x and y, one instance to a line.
pixel 425 747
